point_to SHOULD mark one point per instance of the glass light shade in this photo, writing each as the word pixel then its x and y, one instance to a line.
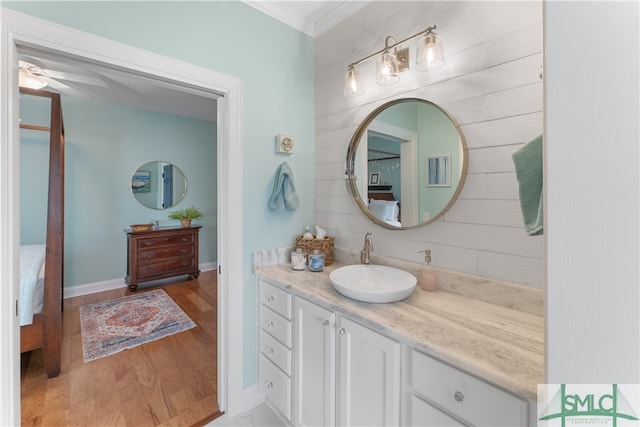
pixel 30 81
pixel 387 69
pixel 352 85
pixel 430 54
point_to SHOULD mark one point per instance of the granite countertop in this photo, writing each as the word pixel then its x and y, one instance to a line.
pixel 498 344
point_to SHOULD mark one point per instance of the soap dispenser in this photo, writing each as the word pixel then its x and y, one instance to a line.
pixel 428 280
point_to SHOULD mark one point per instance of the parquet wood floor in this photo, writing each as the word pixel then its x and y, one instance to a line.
pixel 168 382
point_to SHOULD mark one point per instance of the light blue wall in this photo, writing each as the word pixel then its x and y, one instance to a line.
pixel 276 65
pixel 438 137
pixel 104 145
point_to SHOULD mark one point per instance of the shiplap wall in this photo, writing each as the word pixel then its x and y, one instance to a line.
pixel 491 85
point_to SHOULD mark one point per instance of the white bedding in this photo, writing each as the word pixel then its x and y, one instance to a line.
pixel 31 281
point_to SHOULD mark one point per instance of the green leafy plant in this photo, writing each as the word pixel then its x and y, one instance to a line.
pixel 188 213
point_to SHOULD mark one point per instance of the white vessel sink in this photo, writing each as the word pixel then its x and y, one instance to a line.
pixel 373 283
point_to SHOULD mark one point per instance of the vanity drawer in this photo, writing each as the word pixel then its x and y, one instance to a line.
pixel 150 242
pixel 275 385
pixel 276 325
pixel 151 255
pixel 276 352
pixel 475 401
pixel 426 415
pixel 276 299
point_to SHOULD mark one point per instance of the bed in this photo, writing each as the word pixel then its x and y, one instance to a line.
pixel 41 306
pixel 385 208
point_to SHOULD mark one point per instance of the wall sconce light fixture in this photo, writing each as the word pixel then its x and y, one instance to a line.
pixel 392 61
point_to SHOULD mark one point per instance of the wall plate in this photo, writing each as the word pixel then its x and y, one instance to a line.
pixel 285 144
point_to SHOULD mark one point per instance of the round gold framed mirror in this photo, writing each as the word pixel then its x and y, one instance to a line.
pixel 406 163
pixel 158 185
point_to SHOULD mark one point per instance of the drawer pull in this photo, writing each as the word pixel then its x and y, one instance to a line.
pixel 271 298
pixel 184 239
pixel 270 350
pixel 342 331
pixel 147 242
pixel 325 323
pixel 269 324
pixel 184 251
pixel 184 263
pixel 458 396
pixel 270 385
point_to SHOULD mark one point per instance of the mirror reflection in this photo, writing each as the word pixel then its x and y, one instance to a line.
pixel 158 185
pixel 406 163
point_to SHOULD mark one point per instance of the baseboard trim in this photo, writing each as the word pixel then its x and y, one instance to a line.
pixel 108 285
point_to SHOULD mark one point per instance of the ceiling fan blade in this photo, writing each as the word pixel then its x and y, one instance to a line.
pixel 73 77
pixel 67 90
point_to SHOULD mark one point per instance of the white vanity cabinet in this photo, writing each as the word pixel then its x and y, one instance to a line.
pixel 368 377
pixel 315 368
pixel 436 389
pixel 274 360
pixel 320 368
pixel 345 374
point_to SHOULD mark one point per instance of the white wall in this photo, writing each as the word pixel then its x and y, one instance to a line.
pixel 592 125
pixel 490 84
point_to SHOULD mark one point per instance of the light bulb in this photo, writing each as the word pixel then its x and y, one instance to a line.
pixel 387 69
pixel 430 55
pixel 352 86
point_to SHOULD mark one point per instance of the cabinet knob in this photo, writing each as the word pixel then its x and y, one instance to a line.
pixel 270 385
pixel 270 351
pixel 271 298
pixel 269 324
pixel 325 323
pixel 458 396
pixel 342 331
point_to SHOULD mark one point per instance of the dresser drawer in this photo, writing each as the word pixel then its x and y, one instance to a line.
pixel 276 352
pixel 475 401
pixel 151 255
pixel 150 242
pixel 276 386
pixel 276 299
pixel 276 325
pixel 162 267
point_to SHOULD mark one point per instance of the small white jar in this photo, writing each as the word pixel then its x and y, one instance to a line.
pixel 298 259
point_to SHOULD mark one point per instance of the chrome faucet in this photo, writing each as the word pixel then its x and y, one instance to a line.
pixel 365 253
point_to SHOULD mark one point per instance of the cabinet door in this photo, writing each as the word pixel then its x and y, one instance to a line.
pixel 314 378
pixel 368 377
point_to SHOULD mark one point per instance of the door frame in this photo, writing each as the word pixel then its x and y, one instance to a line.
pixel 17 30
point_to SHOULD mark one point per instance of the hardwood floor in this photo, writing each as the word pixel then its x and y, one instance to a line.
pixel 168 382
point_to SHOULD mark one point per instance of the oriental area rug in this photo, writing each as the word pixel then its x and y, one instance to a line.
pixel 109 327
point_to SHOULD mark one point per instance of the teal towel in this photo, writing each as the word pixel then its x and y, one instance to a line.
pixel 528 163
pixel 284 194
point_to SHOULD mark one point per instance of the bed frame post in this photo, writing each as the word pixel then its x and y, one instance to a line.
pixel 52 321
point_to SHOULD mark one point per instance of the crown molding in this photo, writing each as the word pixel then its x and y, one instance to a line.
pixel 312 24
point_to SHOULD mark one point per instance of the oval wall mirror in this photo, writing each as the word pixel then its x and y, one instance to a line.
pixel 406 163
pixel 158 185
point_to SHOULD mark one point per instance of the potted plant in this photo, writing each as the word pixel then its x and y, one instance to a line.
pixel 186 215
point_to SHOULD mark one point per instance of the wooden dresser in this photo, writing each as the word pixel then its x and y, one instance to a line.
pixel 161 253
